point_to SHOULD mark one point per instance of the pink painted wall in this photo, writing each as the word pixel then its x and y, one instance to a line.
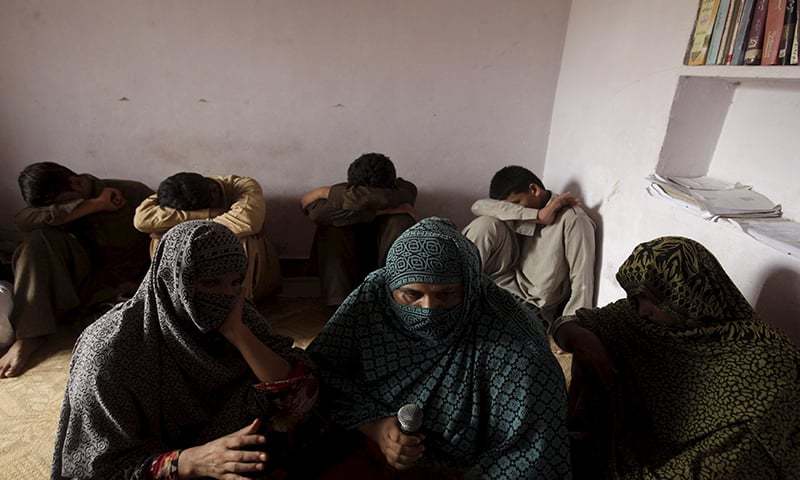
pixel 286 91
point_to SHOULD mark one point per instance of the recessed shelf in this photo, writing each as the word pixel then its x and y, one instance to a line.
pixel 738 124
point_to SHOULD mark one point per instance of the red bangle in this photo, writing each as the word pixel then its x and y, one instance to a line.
pixel 298 371
pixel 165 466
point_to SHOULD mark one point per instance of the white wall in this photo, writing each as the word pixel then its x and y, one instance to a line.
pixel 758 142
pixel 618 77
pixel 286 91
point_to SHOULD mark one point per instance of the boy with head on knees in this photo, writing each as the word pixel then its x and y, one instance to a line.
pixel 357 221
pixel 537 245
pixel 80 248
pixel 234 201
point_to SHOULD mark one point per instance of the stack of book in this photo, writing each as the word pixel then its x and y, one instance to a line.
pixel 744 32
pixel 713 199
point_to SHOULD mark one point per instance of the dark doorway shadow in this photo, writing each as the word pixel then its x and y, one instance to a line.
pixel 778 302
pixel 594 213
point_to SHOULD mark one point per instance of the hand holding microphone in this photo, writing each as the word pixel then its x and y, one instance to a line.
pixel 397 437
pixel 410 418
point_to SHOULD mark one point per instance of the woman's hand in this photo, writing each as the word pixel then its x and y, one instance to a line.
pixel 224 458
pixel 588 351
pixel 233 327
pixel 267 365
pixel 402 451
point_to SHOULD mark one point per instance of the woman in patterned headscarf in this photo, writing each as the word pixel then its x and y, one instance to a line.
pixel 168 384
pixel 699 386
pixel 431 330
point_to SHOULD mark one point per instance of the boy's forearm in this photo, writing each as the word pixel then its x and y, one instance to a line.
pixel 322 213
pixel 505 211
pixel 155 219
pixel 547 214
pixel 86 207
pixel 372 198
pixel 34 217
pixel 320 193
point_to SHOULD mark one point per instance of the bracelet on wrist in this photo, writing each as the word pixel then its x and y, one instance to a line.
pixel 165 466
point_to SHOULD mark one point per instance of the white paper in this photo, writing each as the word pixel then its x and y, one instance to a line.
pixel 705 183
pixel 684 202
pixel 739 200
pixel 783 235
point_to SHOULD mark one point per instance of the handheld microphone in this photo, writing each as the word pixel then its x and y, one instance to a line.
pixel 410 418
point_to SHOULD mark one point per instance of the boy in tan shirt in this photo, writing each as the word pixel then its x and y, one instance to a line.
pixel 234 201
pixel 537 245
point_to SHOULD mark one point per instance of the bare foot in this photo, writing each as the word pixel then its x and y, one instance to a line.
pixel 14 361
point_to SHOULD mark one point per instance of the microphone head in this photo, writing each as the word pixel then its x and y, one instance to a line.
pixel 410 418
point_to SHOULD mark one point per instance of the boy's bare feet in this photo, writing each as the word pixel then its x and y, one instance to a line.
pixel 16 357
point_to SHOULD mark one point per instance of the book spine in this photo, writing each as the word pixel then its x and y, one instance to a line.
pixel 706 14
pixel 755 40
pixel 795 44
pixel 725 54
pixel 716 35
pixel 690 44
pixel 787 39
pixel 742 32
pixel 776 14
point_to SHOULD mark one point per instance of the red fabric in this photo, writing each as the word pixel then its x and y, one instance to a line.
pixel 294 397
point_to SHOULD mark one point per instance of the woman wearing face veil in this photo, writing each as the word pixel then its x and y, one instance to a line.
pixel 696 385
pixel 431 330
pixel 185 380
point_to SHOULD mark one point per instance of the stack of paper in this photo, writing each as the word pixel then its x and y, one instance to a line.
pixel 780 234
pixel 713 199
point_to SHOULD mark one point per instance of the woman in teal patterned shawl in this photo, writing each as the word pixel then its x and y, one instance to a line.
pixel 476 362
pixel 703 388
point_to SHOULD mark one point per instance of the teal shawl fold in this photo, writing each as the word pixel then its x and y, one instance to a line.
pixel 491 392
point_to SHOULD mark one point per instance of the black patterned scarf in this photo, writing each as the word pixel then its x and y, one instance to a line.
pixel 152 375
pixel 491 392
pixel 715 394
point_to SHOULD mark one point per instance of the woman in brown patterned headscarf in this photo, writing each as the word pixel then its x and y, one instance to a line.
pixel 698 386
pixel 168 384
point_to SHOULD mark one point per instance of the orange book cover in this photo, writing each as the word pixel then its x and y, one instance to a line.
pixel 773 30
